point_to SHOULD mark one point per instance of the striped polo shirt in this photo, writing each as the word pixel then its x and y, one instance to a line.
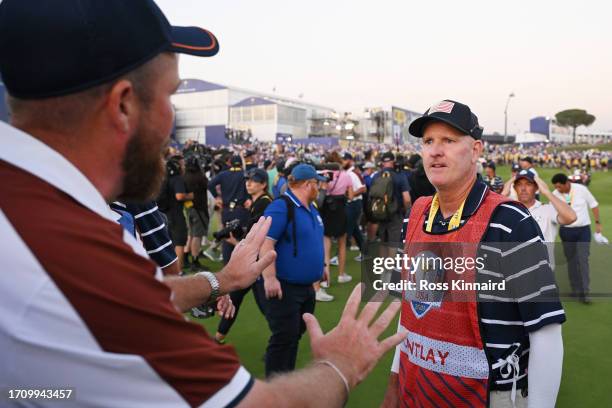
pixel 83 305
pixel 152 230
pixel 515 252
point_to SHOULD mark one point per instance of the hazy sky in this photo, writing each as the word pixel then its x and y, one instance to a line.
pixel 348 55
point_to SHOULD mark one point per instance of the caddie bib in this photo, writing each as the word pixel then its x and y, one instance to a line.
pixel 443 361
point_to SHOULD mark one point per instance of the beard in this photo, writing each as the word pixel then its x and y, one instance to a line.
pixel 144 168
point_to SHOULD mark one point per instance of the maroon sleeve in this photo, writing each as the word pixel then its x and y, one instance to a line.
pixel 113 289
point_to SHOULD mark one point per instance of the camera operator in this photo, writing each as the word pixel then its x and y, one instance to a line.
pixel 171 201
pixel 257 187
pixel 197 214
pixel 232 200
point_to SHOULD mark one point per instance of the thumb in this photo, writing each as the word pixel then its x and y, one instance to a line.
pixel 313 327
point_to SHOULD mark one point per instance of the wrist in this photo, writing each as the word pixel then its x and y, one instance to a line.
pixel 214 284
pixel 339 374
pixel 346 368
pixel 225 284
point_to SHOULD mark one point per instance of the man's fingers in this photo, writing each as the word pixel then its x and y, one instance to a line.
pixel 368 312
pixel 264 262
pixel 392 341
pixel 313 327
pixel 352 304
pixel 253 231
pixel 371 308
pixel 261 233
pixel 383 321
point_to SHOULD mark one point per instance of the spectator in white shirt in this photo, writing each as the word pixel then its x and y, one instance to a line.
pixel 355 202
pixel 576 237
pixel 548 216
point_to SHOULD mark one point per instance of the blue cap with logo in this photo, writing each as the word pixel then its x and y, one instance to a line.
pixel 306 172
pixel 525 174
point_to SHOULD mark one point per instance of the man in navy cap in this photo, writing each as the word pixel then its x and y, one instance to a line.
pixel 89 85
pixel 232 198
pixel 296 234
pixel 474 347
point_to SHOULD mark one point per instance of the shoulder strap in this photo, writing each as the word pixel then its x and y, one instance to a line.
pixel 291 219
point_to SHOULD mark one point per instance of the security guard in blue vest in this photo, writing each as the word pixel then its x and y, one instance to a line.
pixel 233 196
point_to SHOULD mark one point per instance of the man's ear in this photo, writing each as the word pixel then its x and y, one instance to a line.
pixel 477 149
pixel 122 106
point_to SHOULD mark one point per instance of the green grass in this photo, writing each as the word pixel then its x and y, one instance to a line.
pixel 587 364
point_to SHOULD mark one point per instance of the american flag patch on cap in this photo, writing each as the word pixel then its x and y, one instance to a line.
pixel 444 107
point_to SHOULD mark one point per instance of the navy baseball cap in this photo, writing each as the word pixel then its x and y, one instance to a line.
pixel 525 174
pixel 454 114
pixel 257 175
pixel 516 167
pixel 52 48
pixel 387 157
pixel 306 172
pixel 236 160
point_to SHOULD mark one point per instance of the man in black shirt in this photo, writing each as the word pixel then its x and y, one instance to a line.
pixel 197 214
pixel 257 187
pixel 174 196
pixel 233 197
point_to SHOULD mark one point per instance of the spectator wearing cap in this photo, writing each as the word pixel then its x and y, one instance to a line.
pixel 257 187
pixel 232 199
pixel 508 189
pixel 296 234
pixel 576 237
pixel 107 305
pixel 389 231
pixel 369 169
pixel 548 216
pixel 488 338
pixel 494 182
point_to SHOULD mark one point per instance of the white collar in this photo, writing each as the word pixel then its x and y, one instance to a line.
pixel 30 154
pixel 535 205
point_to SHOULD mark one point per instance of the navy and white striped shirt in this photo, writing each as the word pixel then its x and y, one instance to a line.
pixel 153 231
pixel 515 253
